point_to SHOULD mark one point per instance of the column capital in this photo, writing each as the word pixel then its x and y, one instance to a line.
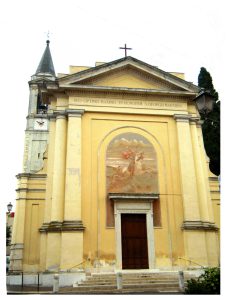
pixel 200 123
pixel 52 117
pixel 194 120
pixel 182 118
pixel 60 115
pixel 75 112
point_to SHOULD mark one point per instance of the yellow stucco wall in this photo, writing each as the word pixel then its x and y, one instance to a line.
pixel 160 131
pixel 82 125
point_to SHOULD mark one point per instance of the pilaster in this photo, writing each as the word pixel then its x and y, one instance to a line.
pixel 57 207
pixel 50 166
pixel 17 243
pixel 53 243
pixel 72 227
pixel 197 226
pixel 44 238
pixel 200 176
pixel 206 169
pixel 187 169
pixel 72 209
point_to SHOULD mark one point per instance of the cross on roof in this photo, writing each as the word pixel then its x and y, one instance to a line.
pixel 125 48
pixel 48 34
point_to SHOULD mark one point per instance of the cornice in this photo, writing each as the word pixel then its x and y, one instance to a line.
pixel 136 72
pixel 130 62
pixel 31 176
pixel 200 123
pixel 199 225
pixel 194 120
pixel 30 190
pixel 212 178
pixel 187 118
pixel 29 199
pixel 182 118
pixel 63 114
pixel 75 112
pixel 70 88
pixel 136 196
pixel 35 116
pixel 56 226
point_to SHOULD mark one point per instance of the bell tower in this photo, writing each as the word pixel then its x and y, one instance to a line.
pixel 31 182
pixel 36 134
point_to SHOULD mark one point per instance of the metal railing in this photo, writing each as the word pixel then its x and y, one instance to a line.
pixel 84 261
pixel 191 261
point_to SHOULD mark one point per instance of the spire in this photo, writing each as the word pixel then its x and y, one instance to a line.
pixel 46 66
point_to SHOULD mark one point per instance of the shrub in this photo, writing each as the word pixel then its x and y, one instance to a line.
pixel 207 283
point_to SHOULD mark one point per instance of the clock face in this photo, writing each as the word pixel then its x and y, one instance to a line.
pixel 40 124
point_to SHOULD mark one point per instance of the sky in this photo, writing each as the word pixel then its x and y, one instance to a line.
pixel 176 35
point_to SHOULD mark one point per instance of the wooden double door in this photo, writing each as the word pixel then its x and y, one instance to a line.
pixel 134 241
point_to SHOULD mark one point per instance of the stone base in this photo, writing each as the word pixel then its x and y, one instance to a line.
pixel 16 258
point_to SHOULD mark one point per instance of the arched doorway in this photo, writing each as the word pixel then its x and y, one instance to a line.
pixel 132 187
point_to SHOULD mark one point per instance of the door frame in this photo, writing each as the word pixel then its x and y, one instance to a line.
pixel 129 219
pixel 134 204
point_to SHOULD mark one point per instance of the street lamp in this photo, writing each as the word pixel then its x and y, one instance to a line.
pixel 9 207
pixel 204 102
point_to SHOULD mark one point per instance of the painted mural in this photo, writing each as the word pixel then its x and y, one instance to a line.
pixel 131 165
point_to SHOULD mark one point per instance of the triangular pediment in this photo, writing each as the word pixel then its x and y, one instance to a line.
pixel 128 73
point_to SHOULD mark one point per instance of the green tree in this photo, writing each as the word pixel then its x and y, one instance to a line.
pixel 211 125
pixel 208 283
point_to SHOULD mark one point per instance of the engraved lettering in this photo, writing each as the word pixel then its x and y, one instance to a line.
pixel 130 103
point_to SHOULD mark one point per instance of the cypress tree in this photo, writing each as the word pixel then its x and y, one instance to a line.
pixel 211 125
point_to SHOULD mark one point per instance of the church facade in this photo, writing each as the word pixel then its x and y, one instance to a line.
pixel 115 175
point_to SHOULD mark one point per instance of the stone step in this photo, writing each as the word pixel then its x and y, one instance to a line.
pixel 149 275
pixel 127 286
pixel 128 281
pixel 131 283
pixel 136 278
pixel 109 280
pixel 144 290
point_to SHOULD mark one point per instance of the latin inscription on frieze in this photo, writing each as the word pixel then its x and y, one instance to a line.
pixel 146 104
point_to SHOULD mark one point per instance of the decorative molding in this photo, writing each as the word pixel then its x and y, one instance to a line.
pixel 136 72
pixel 194 120
pixel 37 131
pixel 199 225
pixel 134 196
pixel 31 176
pixel 60 115
pixel 182 118
pixel 63 114
pixel 29 190
pixel 56 226
pixel 17 246
pixel 131 62
pixel 33 199
pixel 200 123
pixel 35 116
pixel 121 95
pixel 93 88
pixel 213 179
pixel 75 112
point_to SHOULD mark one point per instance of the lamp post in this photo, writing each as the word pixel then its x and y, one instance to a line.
pixel 204 102
pixel 9 207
